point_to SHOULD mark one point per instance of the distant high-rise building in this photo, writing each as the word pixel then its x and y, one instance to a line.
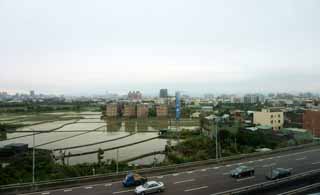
pixel 253 98
pixel 32 93
pixel 134 95
pixel 163 93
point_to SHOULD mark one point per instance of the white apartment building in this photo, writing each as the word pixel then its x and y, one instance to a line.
pixel 269 117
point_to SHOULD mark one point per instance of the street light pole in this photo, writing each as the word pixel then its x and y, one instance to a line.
pixel 33 158
pixel 217 156
pixel 117 165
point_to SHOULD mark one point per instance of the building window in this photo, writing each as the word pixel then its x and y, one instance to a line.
pixel 279 121
pixel 271 116
pixel 279 115
pixel 271 121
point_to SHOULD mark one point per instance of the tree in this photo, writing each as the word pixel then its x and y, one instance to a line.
pixel 100 155
pixel 152 112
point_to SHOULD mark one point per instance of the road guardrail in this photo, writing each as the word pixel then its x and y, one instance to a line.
pixel 163 169
pixel 268 184
pixel 300 190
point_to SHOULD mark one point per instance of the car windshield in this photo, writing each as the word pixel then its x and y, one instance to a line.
pixel 126 178
pixel 240 168
pixel 275 172
pixel 146 185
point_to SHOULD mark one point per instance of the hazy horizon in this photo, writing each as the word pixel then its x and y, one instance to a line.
pixel 89 47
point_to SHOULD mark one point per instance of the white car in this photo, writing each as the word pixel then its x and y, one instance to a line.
pixel 149 187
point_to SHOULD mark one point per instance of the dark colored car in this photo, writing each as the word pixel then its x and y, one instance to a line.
pixel 133 179
pixel 242 171
pixel 278 173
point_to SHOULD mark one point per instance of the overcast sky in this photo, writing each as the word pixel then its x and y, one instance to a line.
pixel 196 46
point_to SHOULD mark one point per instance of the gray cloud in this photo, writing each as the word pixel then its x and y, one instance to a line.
pixel 198 46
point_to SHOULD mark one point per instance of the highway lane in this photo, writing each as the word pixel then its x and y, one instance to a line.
pixel 210 179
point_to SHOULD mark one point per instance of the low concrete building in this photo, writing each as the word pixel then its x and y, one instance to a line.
pixel 142 110
pixel 311 121
pixel 162 110
pixel 129 110
pixel 269 117
pixel 112 110
pixel 195 115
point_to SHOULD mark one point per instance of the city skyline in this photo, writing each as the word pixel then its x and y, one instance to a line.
pixel 198 47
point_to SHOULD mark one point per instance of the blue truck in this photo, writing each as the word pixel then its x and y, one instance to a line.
pixel 133 179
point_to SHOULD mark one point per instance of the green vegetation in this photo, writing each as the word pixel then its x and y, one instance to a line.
pixel 47 169
pixel 192 149
pixel 152 112
pixel 9 127
pixel 48 106
pixel 226 107
pixel 200 147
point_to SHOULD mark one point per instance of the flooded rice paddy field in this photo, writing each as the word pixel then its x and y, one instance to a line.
pixel 76 133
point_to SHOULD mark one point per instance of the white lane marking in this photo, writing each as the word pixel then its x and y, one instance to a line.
pixel 302 189
pixel 185 181
pixel 315 163
pixel 79 187
pixel 250 162
pixel 88 187
pixel 281 156
pixel 44 193
pixel 193 189
pixel 67 190
pixel 240 164
pixel 303 158
pixel 269 165
pixel 189 172
pixel 260 160
pixel 176 174
pixel 203 170
pixel 124 191
pixel 228 165
pixel 226 173
pixel 160 177
pixel 241 188
pixel 270 158
pixel 108 184
pixel 238 180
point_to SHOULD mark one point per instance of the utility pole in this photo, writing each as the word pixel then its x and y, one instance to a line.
pixel 178 113
pixel 33 157
pixel 216 124
pixel 169 111
pixel 313 135
pixel 235 144
pixel 117 164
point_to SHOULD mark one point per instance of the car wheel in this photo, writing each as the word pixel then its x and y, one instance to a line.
pixel 159 190
pixel 142 193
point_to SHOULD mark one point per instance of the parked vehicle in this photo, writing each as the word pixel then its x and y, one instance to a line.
pixel 133 179
pixel 278 173
pixel 149 187
pixel 242 171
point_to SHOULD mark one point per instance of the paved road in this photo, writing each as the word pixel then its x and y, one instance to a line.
pixel 208 180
